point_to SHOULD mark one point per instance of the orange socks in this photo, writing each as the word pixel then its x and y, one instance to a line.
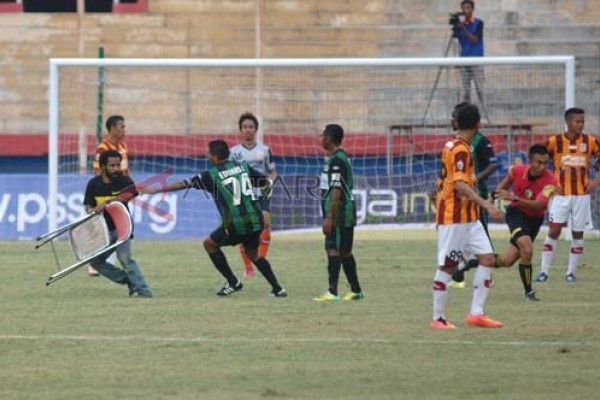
pixel 265 241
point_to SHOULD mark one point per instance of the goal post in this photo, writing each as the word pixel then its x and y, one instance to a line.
pixel 380 102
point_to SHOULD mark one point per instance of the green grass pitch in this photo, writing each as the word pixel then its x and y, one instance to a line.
pixel 84 338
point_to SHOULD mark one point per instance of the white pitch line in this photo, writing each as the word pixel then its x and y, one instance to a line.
pixel 203 339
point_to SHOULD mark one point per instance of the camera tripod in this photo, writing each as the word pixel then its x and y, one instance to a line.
pixel 450 44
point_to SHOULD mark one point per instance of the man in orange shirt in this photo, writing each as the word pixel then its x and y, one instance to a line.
pixel 115 128
pixel 459 227
pixel 572 154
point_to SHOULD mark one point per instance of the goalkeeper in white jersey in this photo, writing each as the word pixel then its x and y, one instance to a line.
pixel 259 157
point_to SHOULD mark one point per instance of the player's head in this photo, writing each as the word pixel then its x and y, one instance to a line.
pixel 575 119
pixel 248 125
pixel 468 117
pixel 115 126
pixel 538 159
pixel 218 151
pixel 455 113
pixel 333 134
pixel 110 163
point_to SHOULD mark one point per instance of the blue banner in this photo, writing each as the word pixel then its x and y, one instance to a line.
pixel 296 204
pixel 177 215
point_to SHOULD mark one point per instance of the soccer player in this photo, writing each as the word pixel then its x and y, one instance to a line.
pixel 99 191
pixel 115 128
pixel 231 185
pixel 259 157
pixel 339 213
pixel 571 153
pixel 485 165
pixel 528 188
pixel 459 227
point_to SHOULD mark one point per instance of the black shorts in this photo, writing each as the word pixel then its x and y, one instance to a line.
pixel 264 204
pixel 520 224
pixel 341 239
pixel 222 237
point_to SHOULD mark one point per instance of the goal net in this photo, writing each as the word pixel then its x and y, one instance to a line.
pixel 396 114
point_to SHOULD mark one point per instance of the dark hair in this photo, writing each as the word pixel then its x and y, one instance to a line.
pixel 335 132
pixel 458 107
pixel 245 116
pixel 471 2
pixel 537 149
pixel 468 117
pixel 573 111
pixel 219 148
pixel 109 154
pixel 113 120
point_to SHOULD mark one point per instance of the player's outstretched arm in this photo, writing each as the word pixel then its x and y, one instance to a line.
pixel 173 187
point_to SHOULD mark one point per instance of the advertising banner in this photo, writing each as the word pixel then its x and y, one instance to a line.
pixel 295 204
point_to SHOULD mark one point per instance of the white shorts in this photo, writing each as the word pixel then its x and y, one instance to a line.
pixel 455 240
pixel 577 208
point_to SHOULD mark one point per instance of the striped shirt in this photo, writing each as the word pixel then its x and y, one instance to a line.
pixel 121 148
pixel 457 165
pixel 571 160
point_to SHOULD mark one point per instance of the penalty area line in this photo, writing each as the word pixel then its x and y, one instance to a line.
pixel 204 339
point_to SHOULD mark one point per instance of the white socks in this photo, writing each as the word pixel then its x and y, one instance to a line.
pixel 575 255
pixel 481 288
pixel 548 254
pixel 440 293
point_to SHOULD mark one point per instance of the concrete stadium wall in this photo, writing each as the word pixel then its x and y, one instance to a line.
pixel 290 28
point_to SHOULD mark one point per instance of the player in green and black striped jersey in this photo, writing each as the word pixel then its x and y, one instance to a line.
pixel 339 213
pixel 231 185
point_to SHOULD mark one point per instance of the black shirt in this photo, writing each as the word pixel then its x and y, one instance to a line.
pixel 98 192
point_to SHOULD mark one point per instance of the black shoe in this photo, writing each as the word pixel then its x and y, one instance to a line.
pixel 472 263
pixel 227 290
pixel 129 286
pixel 531 296
pixel 280 293
pixel 146 295
pixel 459 276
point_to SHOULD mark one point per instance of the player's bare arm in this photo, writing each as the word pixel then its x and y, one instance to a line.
pixel 468 192
pixel 336 201
pixel 503 187
pixel 173 187
pixel 487 172
pixel 594 183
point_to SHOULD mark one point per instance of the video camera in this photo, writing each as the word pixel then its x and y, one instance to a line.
pixel 455 21
pixel 455 18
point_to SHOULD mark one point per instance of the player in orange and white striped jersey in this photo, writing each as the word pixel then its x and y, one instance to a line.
pixel 459 227
pixel 572 154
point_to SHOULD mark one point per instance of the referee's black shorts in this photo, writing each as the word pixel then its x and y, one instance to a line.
pixel 520 224
pixel 340 239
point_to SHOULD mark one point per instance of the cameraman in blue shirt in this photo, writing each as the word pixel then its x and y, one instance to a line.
pixel 469 31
